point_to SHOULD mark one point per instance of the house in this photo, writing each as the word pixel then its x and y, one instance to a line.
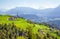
pixel 12 18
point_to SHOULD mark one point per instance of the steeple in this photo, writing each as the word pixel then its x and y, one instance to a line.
pixel 17 14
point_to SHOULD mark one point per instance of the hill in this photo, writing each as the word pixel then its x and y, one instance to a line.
pixel 12 27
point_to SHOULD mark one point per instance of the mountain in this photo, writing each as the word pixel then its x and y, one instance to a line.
pixel 45 12
pixel 55 13
pixel 2 11
pixel 22 10
pixel 31 17
pixel 50 13
pixel 27 10
pixel 54 23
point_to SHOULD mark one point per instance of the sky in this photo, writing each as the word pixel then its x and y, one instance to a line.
pixel 37 4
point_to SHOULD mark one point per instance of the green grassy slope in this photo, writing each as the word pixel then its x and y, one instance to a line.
pixel 23 24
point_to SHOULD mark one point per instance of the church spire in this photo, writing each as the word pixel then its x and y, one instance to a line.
pixel 17 15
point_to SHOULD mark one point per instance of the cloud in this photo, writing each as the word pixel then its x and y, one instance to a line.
pixel 37 4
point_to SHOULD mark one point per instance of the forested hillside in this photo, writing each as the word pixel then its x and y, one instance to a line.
pixel 19 28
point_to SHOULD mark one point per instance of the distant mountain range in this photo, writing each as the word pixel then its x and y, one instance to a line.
pixel 54 23
pixel 55 13
pixel 36 15
pixel 27 10
pixel 22 10
pixel 51 12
